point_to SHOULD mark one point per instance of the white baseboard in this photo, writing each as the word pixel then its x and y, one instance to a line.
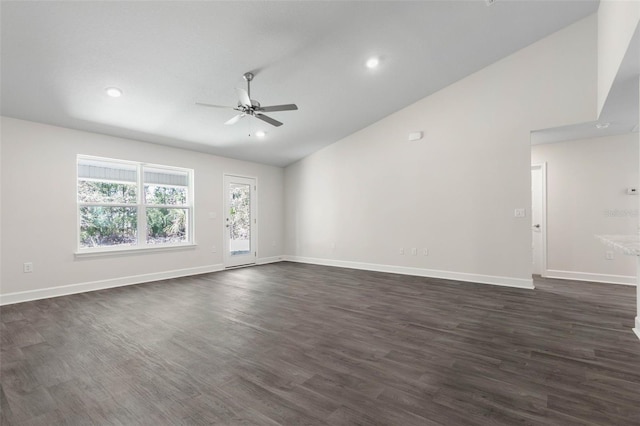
pixel 45 293
pixel 25 296
pixel 272 259
pixel 596 278
pixel 420 272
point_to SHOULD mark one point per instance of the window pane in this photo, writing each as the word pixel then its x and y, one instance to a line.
pixel 166 195
pixel 103 226
pixel 166 225
pixel 105 192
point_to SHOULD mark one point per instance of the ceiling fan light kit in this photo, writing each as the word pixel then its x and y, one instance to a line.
pixel 247 106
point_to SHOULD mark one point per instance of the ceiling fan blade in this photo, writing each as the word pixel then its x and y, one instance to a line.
pixel 243 96
pixel 273 108
pixel 213 106
pixel 267 119
pixel 234 119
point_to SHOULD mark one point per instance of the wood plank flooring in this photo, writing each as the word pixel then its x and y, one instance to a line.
pixel 294 344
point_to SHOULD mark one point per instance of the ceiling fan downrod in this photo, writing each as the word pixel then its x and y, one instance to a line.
pixel 248 76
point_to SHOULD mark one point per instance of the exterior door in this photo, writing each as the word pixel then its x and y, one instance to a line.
pixel 240 222
pixel 538 218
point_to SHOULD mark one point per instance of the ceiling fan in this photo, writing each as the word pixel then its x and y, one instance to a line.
pixel 248 106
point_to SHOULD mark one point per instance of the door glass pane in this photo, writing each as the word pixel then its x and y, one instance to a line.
pixel 239 221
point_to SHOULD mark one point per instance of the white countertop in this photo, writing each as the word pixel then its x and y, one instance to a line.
pixel 625 244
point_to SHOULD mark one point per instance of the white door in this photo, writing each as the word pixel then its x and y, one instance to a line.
pixel 538 218
pixel 240 222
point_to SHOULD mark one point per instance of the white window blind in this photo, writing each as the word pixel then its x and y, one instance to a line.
pixel 165 177
pixel 104 170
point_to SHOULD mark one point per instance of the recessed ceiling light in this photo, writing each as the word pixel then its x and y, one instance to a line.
pixel 373 62
pixel 602 125
pixel 114 92
pixel 261 134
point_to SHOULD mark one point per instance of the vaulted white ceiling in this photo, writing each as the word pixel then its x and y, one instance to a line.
pixel 58 57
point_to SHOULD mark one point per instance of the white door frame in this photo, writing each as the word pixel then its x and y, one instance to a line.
pixel 251 259
pixel 543 219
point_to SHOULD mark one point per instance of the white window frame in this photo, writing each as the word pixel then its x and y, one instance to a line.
pixel 141 209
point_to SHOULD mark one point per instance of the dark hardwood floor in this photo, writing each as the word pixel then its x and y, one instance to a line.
pixel 295 344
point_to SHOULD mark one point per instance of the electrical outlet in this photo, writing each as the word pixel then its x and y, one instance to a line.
pixel 414 251
pixel 213 249
pixel 27 267
pixel 608 255
pixel 425 252
pixel 401 251
pixel 519 213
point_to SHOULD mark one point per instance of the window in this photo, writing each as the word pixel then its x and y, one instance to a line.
pixel 123 204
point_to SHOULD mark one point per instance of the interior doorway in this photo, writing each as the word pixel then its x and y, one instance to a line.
pixel 539 218
pixel 240 221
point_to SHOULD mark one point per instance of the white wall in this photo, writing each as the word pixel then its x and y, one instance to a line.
pixel 637 327
pixel 455 191
pixel 586 195
pixel 617 22
pixel 39 209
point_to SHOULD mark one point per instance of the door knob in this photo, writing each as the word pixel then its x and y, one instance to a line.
pixel 537 225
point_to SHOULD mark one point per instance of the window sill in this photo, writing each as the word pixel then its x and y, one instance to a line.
pixel 130 250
